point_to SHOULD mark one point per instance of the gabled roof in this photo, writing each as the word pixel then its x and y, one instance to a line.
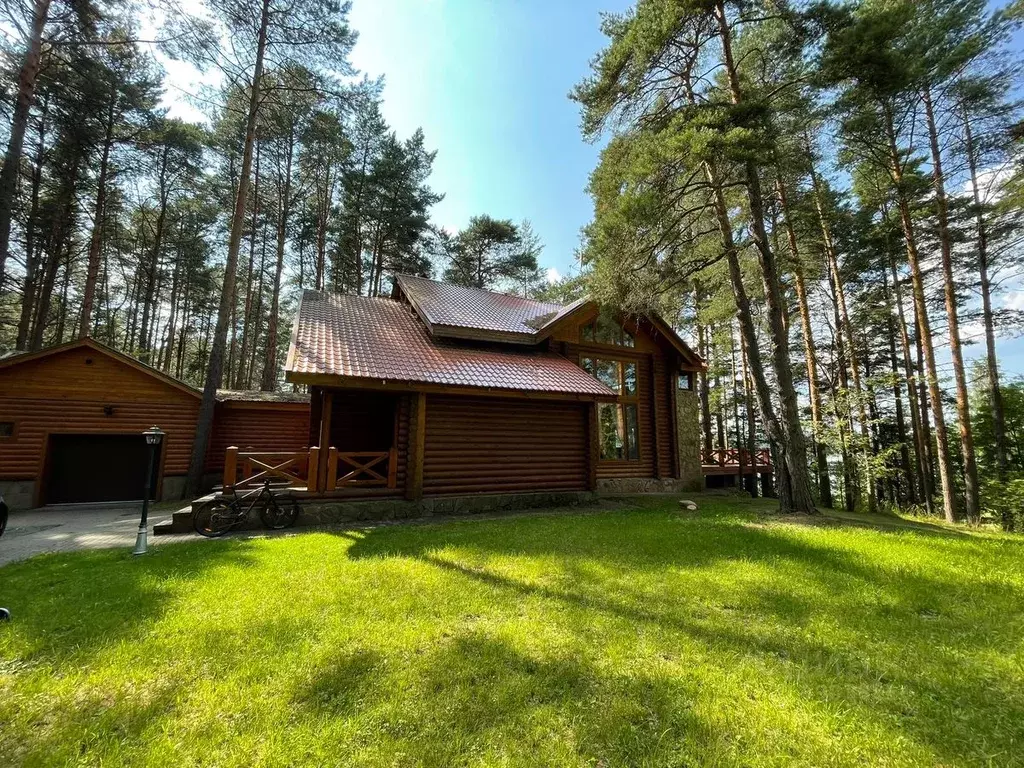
pixel 454 311
pixel 377 340
pixel 88 343
pixel 473 313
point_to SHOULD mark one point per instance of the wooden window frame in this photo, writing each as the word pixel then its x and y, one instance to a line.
pixel 622 400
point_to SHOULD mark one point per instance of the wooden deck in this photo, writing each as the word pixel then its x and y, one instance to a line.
pixel 736 461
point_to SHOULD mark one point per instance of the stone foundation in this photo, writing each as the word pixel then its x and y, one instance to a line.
pixel 173 487
pixel 323 511
pixel 19 494
pixel 634 485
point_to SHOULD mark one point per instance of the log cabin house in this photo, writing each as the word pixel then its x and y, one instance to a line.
pixel 438 391
pixel 443 390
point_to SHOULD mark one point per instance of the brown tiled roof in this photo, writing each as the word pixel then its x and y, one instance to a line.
pixel 448 308
pixel 381 339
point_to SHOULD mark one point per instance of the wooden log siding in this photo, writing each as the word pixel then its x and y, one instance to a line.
pixel 664 412
pixel 263 427
pixel 82 391
pixel 490 445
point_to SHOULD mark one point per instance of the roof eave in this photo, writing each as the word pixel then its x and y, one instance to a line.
pixel 527 338
pixel 406 385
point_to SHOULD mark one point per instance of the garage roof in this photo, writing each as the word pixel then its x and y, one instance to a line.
pixel 18 358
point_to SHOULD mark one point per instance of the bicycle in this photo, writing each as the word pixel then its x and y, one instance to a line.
pixel 218 516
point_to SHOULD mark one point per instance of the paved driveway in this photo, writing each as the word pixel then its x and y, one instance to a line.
pixel 79 526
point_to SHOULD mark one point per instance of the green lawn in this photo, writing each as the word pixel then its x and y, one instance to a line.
pixel 633 637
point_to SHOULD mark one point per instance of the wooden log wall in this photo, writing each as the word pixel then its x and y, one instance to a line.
pixel 83 391
pixel 266 427
pixel 493 445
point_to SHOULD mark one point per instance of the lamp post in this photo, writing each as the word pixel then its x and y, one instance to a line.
pixel 154 436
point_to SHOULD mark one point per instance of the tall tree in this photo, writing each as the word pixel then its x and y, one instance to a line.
pixel 302 32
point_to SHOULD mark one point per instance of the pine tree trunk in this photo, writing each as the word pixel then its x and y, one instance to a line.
pixel 28 295
pixel 751 422
pixel 991 362
pixel 821 451
pixel 846 328
pixel 794 485
pixel 963 408
pixel 702 379
pixel 59 239
pixel 912 478
pixel 96 238
pixel 27 77
pixel 241 374
pixel 148 306
pixel 924 332
pixel 268 381
pixel 845 421
pixel 776 432
pixel 215 366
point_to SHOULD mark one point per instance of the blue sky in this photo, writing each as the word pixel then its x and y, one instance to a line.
pixel 488 80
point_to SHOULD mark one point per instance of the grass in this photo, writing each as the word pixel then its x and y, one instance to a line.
pixel 638 636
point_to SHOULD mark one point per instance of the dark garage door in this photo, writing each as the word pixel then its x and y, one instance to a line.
pixel 96 468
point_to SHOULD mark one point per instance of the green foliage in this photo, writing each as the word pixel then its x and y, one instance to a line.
pixel 495 253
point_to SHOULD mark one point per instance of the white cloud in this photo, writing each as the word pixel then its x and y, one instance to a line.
pixel 553 275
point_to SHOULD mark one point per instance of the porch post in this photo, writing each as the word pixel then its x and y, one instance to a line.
pixel 593 449
pixel 656 432
pixel 417 441
pixel 673 419
pixel 325 437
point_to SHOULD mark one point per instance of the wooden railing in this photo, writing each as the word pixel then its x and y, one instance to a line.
pixel 736 457
pixel 345 469
pixel 353 469
pixel 245 469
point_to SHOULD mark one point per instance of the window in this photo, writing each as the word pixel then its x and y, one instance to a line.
pixel 6 429
pixel 608 374
pixel 619 430
pixel 605 330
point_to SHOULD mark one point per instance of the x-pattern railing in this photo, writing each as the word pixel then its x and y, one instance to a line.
pixel 734 457
pixel 347 469
pixel 257 466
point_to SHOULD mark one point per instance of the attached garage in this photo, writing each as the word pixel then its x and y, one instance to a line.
pixel 74 417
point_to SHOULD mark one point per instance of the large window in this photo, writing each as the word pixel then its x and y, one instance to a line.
pixel 618 422
pixel 605 330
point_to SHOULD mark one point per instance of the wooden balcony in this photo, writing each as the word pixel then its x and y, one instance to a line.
pixel 736 461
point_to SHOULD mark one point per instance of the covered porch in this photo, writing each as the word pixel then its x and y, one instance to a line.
pixel 359 446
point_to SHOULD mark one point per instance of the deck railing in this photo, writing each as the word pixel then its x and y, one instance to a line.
pixel 355 469
pixel 245 469
pixel 736 457
pixel 345 469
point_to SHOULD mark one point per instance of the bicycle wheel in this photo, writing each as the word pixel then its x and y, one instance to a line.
pixel 215 518
pixel 278 513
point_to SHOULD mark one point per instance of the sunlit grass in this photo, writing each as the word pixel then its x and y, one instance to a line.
pixel 639 637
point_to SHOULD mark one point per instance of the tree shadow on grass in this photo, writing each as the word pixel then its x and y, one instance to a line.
pixel 474 694
pixel 902 645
